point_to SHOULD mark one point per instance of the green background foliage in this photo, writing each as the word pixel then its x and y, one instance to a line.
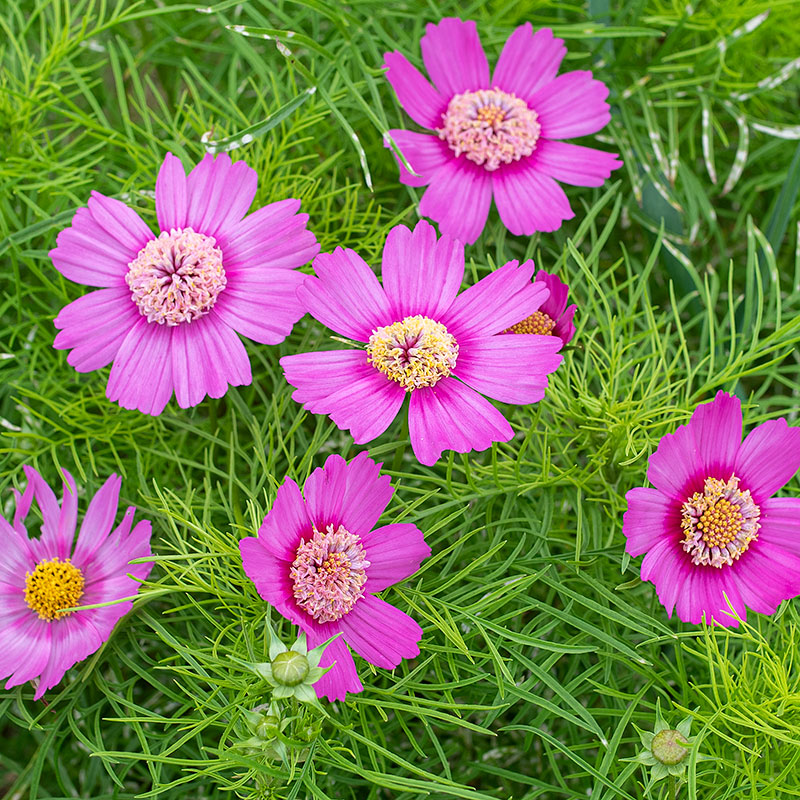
pixel 542 648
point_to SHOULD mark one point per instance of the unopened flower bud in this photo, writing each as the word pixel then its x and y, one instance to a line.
pixel 670 747
pixel 268 728
pixel 290 668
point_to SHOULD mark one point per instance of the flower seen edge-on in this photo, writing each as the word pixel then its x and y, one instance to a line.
pixel 711 528
pixel 319 560
pixel 171 304
pixel 40 577
pixel 497 137
pixel 422 338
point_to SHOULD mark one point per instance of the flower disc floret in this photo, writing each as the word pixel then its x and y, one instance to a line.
pixel 329 573
pixel 414 352
pixel 538 322
pixel 53 586
pixel 177 277
pixel 719 523
pixel 490 127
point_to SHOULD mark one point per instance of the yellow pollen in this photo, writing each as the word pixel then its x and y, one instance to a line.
pixel 494 115
pixel 538 322
pixel 337 562
pixel 53 586
pixel 414 352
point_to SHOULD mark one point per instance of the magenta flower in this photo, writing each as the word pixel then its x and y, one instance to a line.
pixel 172 304
pixel 711 527
pixel 496 136
pixel 553 318
pixel 424 340
pixel 321 560
pixel 42 576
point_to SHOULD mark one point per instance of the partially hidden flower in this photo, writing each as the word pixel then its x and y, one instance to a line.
pixel 553 317
pixel 320 561
pixel 42 577
pixel 666 750
pixel 172 303
pixel 497 136
pixel 712 530
pixel 424 340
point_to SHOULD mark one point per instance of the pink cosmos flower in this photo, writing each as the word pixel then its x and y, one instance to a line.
pixel 40 577
pixel 320 561
pixel 497 136
pixel 553 317
pixel 172 303
pixel 422 340
pixel 711 526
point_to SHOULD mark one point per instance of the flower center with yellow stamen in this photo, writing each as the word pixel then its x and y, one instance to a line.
pixel 538 322
pixel 53 586
pixel 719 523
pixel 490 127
pixel 415 352
pixel 177 277
pixel 329 573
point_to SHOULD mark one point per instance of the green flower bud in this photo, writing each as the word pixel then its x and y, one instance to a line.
pixel 268 728
pixel 669 747
pixel 290 668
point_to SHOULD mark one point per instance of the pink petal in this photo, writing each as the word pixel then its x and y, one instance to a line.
pixel 343 678
pixel 555 304
pixel 528 61
pixel 346 296
pixel 496 302
pixel 651 517
pixel 768 458
pixel 381 633
pixel 394 552
pixel 171 194
pixel 24 647
pixel 780 523
pixel 286 523
pixel 703 594
pixel 705 447
pixel 528 200
pixel 573 104
pixel 98 520
pixel 219 194
pixel 17 559
pixel 324 492
pixel 141 377
pixel 511 369
pixel 418 98
pixel 51 544
pixel 272 237
pixel 454 57
pixel 421 274
pixel 93 327
pixel 207 357
pixel 366 496
pixel 451 416
pixel 107 568
pixel 458 198
pixel 74 638
pixel 573 164
pixel 100 244
pixel 425 154
pixel 261 304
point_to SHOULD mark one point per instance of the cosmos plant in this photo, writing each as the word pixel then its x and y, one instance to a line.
pixel 714 535
pixel 172 303
pixel 419 338
pixel 320 561
pixel 497 136
pixel 42 577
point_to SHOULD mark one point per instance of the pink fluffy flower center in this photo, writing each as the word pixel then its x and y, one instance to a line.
pixel 719 523
pixel 538 322
pixel 490 127
pixel 177 277
pixel 53 586
pixel 329 573
pixel 414 352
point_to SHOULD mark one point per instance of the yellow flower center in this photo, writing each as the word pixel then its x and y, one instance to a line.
pixel 538 322
pixel 719 523
pixel 415 352
pixel 53 586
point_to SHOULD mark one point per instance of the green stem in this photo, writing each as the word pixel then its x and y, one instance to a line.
pixel 673 788
pixel 397 461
